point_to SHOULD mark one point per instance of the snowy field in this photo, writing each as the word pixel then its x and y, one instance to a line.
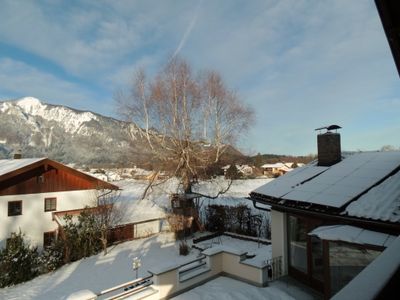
pixel 157 202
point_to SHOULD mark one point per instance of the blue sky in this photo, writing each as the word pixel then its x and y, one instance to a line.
pixel 299 64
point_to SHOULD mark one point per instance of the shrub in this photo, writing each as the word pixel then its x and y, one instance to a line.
pixel 52 257
pixel 80 239
pixel 183 248
pixel 18 261
pixel 238 219
pixel 233 173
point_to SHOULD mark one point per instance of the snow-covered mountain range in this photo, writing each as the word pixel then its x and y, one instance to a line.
pixel 68 135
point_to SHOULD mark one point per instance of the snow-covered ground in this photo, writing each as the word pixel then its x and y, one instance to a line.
pixel 100 272
pixel 262 252
pixel 229 289
pixel 157 202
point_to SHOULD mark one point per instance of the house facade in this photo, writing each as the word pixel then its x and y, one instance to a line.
pixel 333 217
pixel 31 190
pixel 277 169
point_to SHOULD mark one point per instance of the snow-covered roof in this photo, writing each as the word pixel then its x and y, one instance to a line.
pixel 337 185
pixel 285 184
pixel 10 165
pixel 380 203
pixel 352 234
pixel 277 165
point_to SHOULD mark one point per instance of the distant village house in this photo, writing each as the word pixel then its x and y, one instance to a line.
pixel 277 169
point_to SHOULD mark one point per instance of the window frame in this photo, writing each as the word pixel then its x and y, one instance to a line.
pixel 48 238
pixel 49 208
pixel 13 214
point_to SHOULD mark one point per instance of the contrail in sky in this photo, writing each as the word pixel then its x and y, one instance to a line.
pixel 188 30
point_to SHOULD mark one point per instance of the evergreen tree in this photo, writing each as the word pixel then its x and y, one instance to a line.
pixel 18 261
pixel 233 172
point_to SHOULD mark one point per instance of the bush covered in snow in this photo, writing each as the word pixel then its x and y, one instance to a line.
pixel 80 239
pixel 239 219
pixel 52 257
pixel 18 261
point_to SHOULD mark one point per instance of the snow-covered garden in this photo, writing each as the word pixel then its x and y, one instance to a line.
pixel 100 272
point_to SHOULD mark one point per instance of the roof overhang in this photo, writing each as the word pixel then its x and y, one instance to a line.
pixel 354 235
pixel 318 212
pixel 389 12
pixel 33 166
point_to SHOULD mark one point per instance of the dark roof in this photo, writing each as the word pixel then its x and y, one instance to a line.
pixel 351 187
pixel 389 12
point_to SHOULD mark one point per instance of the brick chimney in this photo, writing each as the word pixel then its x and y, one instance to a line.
pixel 329 150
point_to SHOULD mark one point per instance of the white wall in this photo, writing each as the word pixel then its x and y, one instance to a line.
pixel 147 228
pixel 279 237
pixel 34 221
pixel 219 261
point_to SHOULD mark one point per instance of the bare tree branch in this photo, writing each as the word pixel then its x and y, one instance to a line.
pixel 187 120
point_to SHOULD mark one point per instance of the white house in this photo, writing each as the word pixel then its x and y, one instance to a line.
pixel 277 169
pixel 31 190
pixel 333 217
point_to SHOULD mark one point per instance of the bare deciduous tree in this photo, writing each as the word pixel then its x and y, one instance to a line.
pixel 188 120
pixel 108 212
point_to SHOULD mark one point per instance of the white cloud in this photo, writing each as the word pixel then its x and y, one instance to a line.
pixel 301 64
pixel 20 79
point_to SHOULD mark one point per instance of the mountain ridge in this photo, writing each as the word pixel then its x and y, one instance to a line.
pixel 75 136
pixel 67 134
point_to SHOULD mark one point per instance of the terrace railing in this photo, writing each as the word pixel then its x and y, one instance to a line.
pixel 126 289
pixel 275 268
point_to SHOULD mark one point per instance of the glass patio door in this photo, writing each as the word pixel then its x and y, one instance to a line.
pixel 316 269
pixel 306 256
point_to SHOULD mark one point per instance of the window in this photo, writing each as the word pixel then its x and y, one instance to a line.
pixel 346 261
pixel 40 179
pixel 14 208
pixel 50 204
pixel 297 243
pixel 48 238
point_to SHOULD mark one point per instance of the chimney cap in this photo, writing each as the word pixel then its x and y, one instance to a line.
pixel 329 128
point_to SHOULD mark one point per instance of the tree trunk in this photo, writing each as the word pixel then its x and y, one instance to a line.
pixel 104 241
pixel 186 182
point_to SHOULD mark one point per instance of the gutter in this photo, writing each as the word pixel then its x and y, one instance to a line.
pixel 258 207
pixel 393 228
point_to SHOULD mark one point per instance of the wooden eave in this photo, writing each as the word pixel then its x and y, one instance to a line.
pixel 389 12
pixel 327 213
pixel 100 183
pixel 22 170
pixel 44 165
